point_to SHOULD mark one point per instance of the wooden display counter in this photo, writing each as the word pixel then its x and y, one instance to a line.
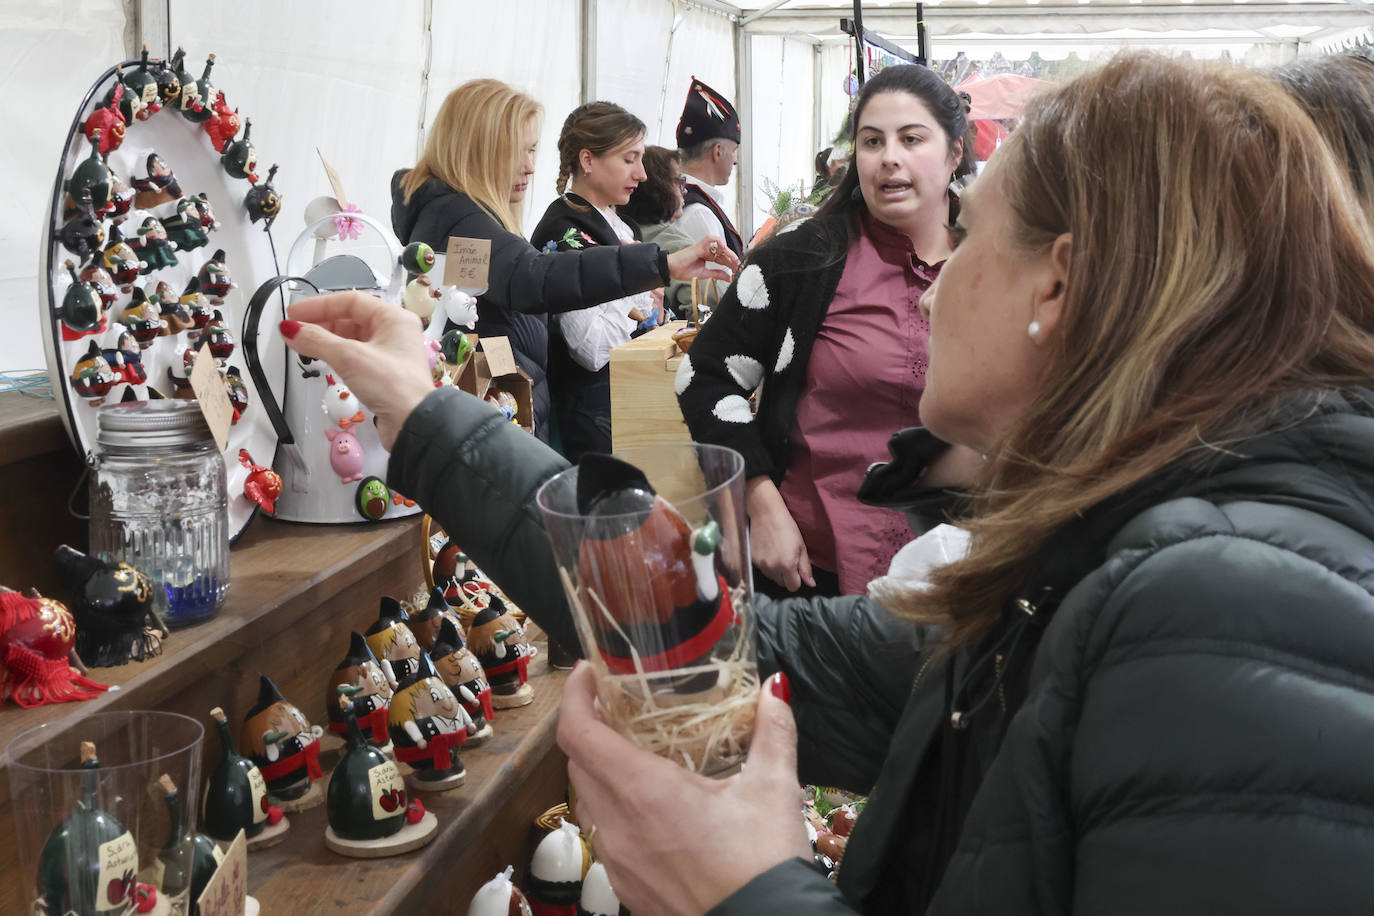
pixel 644 407
pixel 296 591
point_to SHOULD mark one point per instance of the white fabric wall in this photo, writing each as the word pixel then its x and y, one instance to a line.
pixel 783 116
pixel 52 53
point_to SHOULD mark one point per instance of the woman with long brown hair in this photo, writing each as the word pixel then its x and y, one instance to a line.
pixel 471 182
pixel 1149 685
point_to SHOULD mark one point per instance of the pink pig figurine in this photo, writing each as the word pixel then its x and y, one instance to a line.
pixel 345 455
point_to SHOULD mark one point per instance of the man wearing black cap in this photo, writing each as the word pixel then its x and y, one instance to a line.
pixel 708 135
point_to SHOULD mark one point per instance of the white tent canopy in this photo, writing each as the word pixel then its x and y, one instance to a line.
pixel 360 81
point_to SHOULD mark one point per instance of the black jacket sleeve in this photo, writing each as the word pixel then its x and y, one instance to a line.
pixel 522 279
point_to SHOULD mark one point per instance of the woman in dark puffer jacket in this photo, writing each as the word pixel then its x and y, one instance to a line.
pixel 471 183
pixel 1149 686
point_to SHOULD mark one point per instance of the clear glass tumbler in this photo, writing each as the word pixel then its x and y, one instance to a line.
pixel 656 569
pixel 103 807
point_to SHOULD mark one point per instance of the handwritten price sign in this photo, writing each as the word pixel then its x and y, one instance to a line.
pixel 227 890
pixel 466 262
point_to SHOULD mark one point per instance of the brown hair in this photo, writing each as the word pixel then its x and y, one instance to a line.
pixel 473 146
pixel 656 199
pixel 597 127
pixel 1219 264
pixel 1338 94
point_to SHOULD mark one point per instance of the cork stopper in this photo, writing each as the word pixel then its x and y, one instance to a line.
pixel 218 715
pixel 168 787
pixel 87 751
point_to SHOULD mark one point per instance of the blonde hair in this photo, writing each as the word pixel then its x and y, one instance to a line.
pixel 1219 265
pixel 474 144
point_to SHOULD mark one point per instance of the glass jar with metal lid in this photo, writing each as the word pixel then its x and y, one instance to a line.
pixel 158 502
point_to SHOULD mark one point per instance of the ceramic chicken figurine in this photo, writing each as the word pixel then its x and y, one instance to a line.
pixel 113 610
pixel 494 638
pixel 557 868
pixel 656 580
pixel 370 814
pixel 89 861
pixel 463 674
pixel 367 689
pixel 263 485
pixel 392 642
pixel 499 897
pixel 236 796
pixel 284 746
pixel 37 662
pixel 427 726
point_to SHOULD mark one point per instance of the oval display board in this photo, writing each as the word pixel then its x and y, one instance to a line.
pixel 199 257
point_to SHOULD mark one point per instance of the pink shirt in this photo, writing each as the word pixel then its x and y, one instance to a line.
pixel 863 383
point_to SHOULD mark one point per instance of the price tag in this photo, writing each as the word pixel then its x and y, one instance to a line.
pixel 208 385
pixel 466 262
pixel 500 359
pixel 335 181
pixel 227 891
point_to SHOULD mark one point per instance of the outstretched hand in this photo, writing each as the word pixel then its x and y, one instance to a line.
pixel 700 260
pixel 672 841
pixel 376 347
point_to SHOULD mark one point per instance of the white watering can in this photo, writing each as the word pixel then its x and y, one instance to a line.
pixel 332 464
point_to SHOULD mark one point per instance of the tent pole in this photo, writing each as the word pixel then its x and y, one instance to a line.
pixel 588 51
pixel 744 94
pixel 859 41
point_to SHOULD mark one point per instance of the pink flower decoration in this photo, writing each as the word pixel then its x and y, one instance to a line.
pixel 347 226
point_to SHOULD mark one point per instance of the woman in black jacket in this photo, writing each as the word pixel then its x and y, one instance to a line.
pixel 1149 685
pixel 471 183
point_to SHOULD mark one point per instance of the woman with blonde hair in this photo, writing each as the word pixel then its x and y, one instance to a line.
pixel 1148 686
pixel 471 182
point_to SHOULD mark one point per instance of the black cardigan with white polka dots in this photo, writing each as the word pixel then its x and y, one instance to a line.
pixel 761 333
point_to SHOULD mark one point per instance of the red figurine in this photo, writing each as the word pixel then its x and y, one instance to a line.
pixel 109 121
pixel 222 124
pixel 36 657
pixel 263 485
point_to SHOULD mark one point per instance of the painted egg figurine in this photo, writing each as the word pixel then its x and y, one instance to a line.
pixel 281 743
pixel 92 377
pixel 108 121
pixel 81 311
pixel 112 608
pixel 158 187
pixel 92 175
pixel 421 298
pixel 372 499
pixel 240 158
pixel 121 199
pixel 83 234
pixel 598 897
pixel 222 124
pixel 38 637
pixel 263 201
pixel 184 227
pixel 153 246
pixel 214 278
pixel 417 258
pixel 557 868
pixel 199 110
pixel 463 674
pixel 175 316
pixel 168 85
pixel 263 485
pixel 494 638
pixel 217 337
pixel 657 580
pixel 142 84
pixel 369 692
pixel 427 726
pixel 237 390
pixel 367 797
pixel 120 260
pixel 142 319
pixel 392 642
pixel 499 897
pixel 341 406
pixel 188 96
pixel 104 284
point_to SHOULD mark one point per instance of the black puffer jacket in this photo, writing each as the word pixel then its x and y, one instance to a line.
pixel 523 286
pixel 1184 724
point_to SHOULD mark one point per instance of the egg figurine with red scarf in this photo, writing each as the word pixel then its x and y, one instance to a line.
pixel 125 358
pixel 427 725
pixel 237 391
pixel 393 643
pixel 37 636
pixel 368 691
pixel 154 249
pixel 120 260
pixel 370 813
pixel 91 377
pixel 652 572
pixel 95 274
pixel 499 897
pixel 559 864
pixel 214 278
pixel 463 674
pixel 494 638
pixel 425 622
pixel 159 186
pixel 121 200
pixel 184 226
pixel 142 319
pixel 239 157
pixel 175 316
pixel 216 336
pixel 263 485
pixel 283 744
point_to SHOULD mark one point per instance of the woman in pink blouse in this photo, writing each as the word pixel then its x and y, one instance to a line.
pixel 825 317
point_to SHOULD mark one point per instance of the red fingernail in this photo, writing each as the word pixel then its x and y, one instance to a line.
pixel 290 328
pixel 780 687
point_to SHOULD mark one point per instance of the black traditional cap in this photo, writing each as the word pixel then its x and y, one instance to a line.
pixel 435 607
pixel 358 652
pixel 268 694
pixel 192 286
pixel 487 614
pixel 424 670
pixel 391 610
pixel 449 641
pixel 614 493
pixel 706 115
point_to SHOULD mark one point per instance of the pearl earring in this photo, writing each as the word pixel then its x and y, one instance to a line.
pixel 1034 330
